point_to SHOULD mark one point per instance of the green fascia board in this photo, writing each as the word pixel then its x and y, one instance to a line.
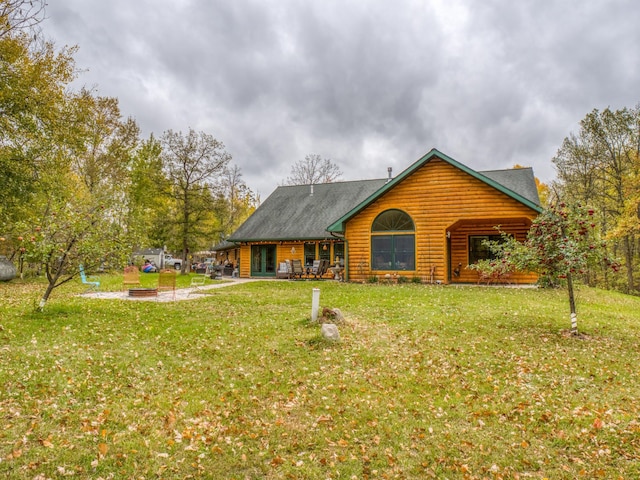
pixel 339 225
pixel 275 240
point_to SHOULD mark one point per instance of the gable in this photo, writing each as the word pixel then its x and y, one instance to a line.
pixel 521 185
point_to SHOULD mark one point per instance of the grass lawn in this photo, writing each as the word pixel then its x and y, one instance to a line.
pixel 427 382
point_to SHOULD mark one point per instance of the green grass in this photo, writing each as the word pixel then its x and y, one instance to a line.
pixel 427 382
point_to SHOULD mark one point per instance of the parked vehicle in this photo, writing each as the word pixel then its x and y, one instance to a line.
pixel 170 262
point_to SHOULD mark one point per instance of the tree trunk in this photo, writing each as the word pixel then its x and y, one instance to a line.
pixel 628 260
pixel 45 297
pixel 572 306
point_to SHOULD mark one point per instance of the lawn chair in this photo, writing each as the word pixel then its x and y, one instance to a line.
pixel 92 281
pixel 131 277
pixel 319 268
pixel 284 270
pixel 197 282
pixel 167 282
pixel 296 269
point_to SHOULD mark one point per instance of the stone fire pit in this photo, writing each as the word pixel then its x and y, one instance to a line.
pixel 143 292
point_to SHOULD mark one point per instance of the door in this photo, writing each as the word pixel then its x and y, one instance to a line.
pixel 263 260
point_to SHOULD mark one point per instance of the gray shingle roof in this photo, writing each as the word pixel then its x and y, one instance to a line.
pixel 292 213
pixel 519 180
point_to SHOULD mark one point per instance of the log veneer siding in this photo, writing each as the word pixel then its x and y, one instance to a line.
pixel 436 196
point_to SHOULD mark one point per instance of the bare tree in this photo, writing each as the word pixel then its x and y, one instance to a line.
pixel 313 169
pixel 16 15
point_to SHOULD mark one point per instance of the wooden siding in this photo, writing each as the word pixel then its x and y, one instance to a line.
pixel 436 196
pixel 283 252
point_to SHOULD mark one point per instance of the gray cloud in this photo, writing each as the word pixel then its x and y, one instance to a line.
pixel 367 84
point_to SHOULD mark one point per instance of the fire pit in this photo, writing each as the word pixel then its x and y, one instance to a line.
pixel 143 292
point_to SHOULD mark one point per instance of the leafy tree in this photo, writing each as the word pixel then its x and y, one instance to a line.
pixel 192 163
pixel 79 217
pixel 560 246
pixel 33 102
pixel 149 206
pixel 312 170
pixel 73 231
pixel 598 166
pixel 234 203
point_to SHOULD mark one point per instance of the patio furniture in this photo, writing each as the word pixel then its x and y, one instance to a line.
pixel 167 282
pixel 131 277
pixel 296 269
pixel 284 270
pixel 216 272
pixel 197 282
pixel 319 268
pixel 92 281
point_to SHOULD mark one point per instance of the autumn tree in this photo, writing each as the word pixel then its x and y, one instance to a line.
pixel 562 243
pixel 192 164
pixel 148 202
pixel 79 219
pixel 32 98
pixel 598 166
pixel 312 170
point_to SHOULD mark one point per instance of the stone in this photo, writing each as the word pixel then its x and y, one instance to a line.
pixel 7 269
pixel 330 332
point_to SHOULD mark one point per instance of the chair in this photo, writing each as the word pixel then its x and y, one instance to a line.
pixel 167 282
pixel 284 270
pixel 197 282
pixel 296 269
pixel 131 277
pixel 92 281
pixel 319 268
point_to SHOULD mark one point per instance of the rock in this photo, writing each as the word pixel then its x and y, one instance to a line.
pixel 338 316
pixel 7 269
pixel 331 316
pixel 330 332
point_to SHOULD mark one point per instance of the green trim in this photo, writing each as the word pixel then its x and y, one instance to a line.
pixel 339 225
pixel 328 238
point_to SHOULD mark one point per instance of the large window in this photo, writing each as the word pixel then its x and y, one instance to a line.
pixel 393 241
pixel 478 250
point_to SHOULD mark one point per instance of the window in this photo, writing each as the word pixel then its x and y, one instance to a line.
pixel 478 250
pixel 393 241
pixel 309 253
pixel 338 252
pixel 325 251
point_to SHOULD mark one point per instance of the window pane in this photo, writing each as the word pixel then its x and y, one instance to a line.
pixel 381 252
pixel 478 251
pixel 404 252
pixel 270 255
pixel 256 258
pixel 309 253
pixel 325 251
pixel 338 251
pixel 392 220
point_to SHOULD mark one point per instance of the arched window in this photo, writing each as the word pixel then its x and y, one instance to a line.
pixel 393 241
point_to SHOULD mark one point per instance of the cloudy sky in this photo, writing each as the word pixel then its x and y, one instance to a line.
pixel 366 83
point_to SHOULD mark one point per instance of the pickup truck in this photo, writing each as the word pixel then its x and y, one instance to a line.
pixel 170 262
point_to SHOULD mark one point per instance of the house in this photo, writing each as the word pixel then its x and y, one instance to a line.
pixel 428 222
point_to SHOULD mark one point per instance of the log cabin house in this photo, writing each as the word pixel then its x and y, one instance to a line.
pixel 427 223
